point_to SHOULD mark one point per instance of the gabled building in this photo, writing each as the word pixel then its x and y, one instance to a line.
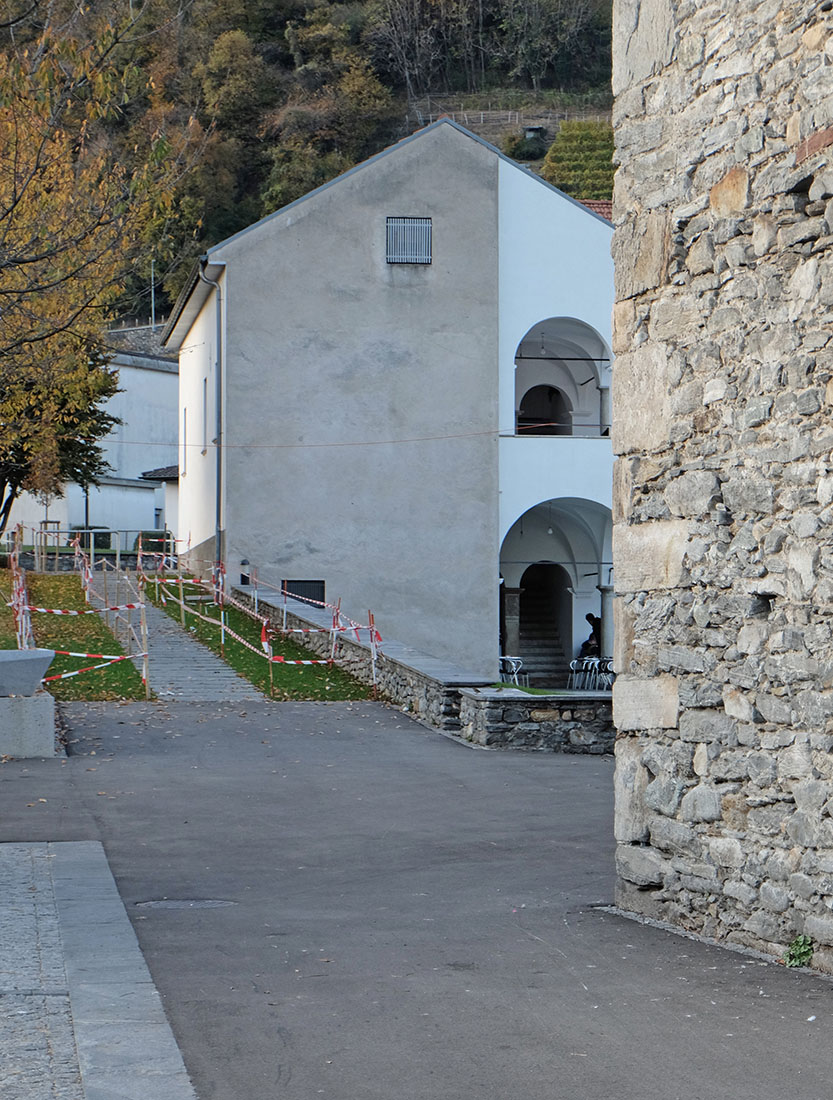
pixel 397 387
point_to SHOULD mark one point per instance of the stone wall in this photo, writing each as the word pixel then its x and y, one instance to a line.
pixel 576 722
pixel 453 702
pixel 433 698
pixel 723 547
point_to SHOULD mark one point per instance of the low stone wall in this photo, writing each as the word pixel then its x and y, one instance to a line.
pixel 562 722
pixel 435 699
pixel 452 701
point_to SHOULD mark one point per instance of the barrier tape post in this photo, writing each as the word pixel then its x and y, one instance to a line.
pixel 336 625
pixel 145 659
pixel 181 598
pixel 372 624
pixel 253 579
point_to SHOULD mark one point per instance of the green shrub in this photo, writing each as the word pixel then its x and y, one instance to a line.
pixel 519 147
pixel 100 537
pixel 799 952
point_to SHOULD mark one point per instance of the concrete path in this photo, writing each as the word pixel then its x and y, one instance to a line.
pixel 80 1018
pixel 335 902
pixel 181 668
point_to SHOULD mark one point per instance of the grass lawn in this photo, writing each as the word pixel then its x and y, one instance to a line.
pixel 82 633
pixel 290 681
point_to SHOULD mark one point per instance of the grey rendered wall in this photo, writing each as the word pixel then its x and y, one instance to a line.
pixel 368 393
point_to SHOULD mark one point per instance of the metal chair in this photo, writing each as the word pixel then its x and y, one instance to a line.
pixel 510 671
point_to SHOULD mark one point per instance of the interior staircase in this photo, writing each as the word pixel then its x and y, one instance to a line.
pixel 544 659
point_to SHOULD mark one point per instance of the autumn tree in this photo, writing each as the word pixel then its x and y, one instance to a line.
pixel 337 114
pixel 73 216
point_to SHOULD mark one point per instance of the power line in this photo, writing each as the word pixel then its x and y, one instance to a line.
pixel 501 433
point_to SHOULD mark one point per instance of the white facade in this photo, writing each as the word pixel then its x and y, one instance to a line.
pixel 146 438
pixel 197 423
pixel 388 428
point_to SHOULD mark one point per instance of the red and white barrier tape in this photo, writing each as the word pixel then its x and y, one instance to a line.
pixel 286 661
pixel 244 641
pixel 92 668
pixel 109 656
pixel 89 611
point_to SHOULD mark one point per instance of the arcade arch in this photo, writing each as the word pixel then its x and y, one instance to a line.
pixel 562 380
pixel 556 568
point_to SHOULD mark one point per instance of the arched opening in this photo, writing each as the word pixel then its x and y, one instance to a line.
pixel 562 380
pixel 545 410
pixel 545 629
pixel 555 563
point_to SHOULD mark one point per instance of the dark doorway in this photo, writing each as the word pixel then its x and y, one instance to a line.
pixel 545 411
pixel 546 624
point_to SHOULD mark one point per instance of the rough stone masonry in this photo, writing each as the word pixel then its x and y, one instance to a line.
pixel 723 498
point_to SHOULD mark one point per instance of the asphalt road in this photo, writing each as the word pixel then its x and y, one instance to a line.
pixel 335 901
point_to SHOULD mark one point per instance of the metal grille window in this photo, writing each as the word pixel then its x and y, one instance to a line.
pixel 409 240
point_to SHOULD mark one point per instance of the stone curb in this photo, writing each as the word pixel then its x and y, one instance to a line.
pixel 82 1019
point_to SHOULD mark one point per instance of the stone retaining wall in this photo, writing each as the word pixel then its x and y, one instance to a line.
pixel 723 500
pixel 460 705
pixel 434 700
pixel 563 722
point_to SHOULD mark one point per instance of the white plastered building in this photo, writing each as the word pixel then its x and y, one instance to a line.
pixel 396 389
pixel 146 438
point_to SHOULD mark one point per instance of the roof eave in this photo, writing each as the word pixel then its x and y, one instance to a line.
pixel 192 298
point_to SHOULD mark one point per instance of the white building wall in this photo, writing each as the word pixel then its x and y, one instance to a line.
pixel 30 511
pixel 146 438
pixel 361 406
pixel 548 467
pixel 554 262
pixel 147 407
pixel 196 522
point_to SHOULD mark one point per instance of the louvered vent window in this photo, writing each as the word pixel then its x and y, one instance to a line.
pixel 409 240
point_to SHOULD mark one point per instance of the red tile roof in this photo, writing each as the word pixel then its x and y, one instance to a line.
pixel 600 206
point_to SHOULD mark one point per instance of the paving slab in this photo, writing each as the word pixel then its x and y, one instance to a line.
pixel 80 1018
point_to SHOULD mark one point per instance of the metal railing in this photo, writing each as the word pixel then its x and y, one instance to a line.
pixel 53 548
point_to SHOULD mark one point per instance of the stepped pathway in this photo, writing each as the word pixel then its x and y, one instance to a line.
pixel 543 653
pixel 179 667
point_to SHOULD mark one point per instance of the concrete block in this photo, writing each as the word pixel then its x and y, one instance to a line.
pixel 640 400
pixel 27 725
pixel 645 704
pixel 649 555
pixel 21 670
